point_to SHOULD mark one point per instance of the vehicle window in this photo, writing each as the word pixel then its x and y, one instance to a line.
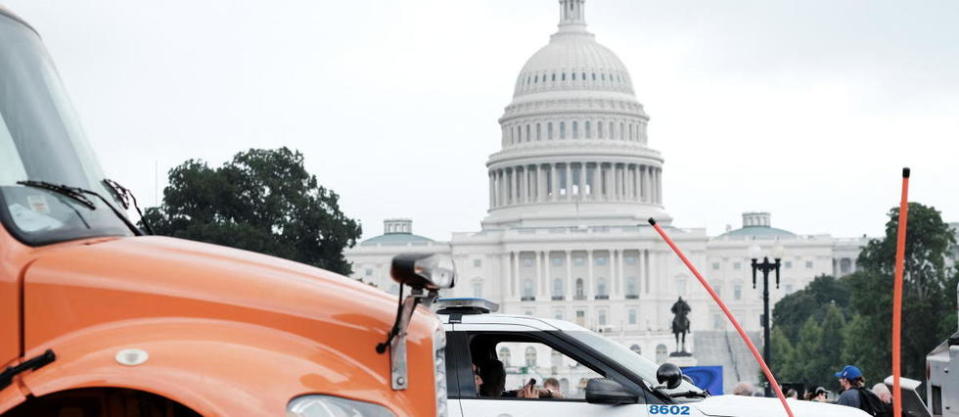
pixel 41 140
pixel 510 365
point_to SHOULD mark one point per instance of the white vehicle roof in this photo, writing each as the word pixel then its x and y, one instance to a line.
pixel 466 315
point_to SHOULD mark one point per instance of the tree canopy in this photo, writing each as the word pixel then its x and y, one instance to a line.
pixel 263 200
pixel 834 322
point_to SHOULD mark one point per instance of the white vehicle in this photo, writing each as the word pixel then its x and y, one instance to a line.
pixel 598 377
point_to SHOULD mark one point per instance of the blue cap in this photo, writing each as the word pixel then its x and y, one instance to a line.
pixel 849 372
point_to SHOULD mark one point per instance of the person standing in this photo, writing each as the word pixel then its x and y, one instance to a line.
pixel 850 378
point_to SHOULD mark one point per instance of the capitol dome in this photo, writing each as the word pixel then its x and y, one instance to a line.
pixel 574 144
pixel 573 60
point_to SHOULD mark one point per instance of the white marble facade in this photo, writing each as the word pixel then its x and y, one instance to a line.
pixel 570 191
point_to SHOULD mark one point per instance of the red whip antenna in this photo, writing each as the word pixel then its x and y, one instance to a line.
pixel 897 295
pixel 729 315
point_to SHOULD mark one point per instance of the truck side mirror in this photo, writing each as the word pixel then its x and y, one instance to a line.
pixel 425 274
pixel 607 391
pixel 423 271
pixel 670 375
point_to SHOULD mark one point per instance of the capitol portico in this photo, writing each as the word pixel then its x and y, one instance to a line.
pixel 565 234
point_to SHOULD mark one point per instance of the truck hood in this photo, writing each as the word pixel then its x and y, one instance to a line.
pixel 147 277
pixel 739 406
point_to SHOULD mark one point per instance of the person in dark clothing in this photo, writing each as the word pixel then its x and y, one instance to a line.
pixel 850 378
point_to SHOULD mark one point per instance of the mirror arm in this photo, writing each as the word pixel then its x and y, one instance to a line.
pixel 398 359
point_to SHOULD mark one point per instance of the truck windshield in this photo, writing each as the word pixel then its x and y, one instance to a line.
pixel 40 140
pixel 620 354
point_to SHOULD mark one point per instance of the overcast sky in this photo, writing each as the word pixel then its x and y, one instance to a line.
pixel 807 109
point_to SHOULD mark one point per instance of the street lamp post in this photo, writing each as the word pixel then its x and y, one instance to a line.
pixel 766 267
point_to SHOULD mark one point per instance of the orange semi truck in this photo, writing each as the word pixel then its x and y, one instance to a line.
pixel 99 320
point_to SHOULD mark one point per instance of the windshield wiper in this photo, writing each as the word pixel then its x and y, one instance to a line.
pixel 72 192
pixel 79 194
pixel 125 196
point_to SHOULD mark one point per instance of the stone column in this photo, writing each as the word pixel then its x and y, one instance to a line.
pixel 659 185
pixel 619 266
pixel 537 258
pixel 641 285
pixel 500 193
pixel 608 180
pixel 555 182
pixel 615 276
pixel 647 190
pixel 590 281
pixel 549 280
pixel 630 183
pixel 540 183
pixel 570 282
pixel 581 182
pixel 492 200
pixel 515 271
pixel 596 186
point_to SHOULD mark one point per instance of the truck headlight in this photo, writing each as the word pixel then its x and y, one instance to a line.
pixel 329 406
pixel 439 360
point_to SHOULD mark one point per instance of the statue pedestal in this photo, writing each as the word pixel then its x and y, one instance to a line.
pixel 682 359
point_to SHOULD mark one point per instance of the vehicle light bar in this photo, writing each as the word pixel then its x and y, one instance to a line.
pixel 465 305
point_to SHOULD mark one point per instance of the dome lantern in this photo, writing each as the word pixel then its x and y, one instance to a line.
pixel 571 15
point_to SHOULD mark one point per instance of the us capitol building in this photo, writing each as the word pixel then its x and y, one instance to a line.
pixel 566 233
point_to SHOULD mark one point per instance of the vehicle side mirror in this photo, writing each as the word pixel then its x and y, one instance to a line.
pixel 423 271
pixel 607 391
pixel 670 375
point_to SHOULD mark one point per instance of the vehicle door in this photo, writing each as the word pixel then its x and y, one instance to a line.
pixel 527 354
pixel 9 301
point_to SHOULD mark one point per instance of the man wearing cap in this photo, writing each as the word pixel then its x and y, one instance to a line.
pixel 850 378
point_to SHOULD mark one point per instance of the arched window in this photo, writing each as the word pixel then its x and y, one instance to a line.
pixel 602 317
pixel 539 132
pixel 594 76
pixel 575 130
pixel 530 356
pixel 737 291
pixel 580 291
pixel 636 349
pixel 554 77
pixel 549 130
pixel 599 132
pixel 586 130
pixel 622 131
pixel 557 289
pixel 845 266
pixel 601 288
pixel 574 76
pixel 562 130
pixel 602 76
pixel 504 355
pixel 527 133
pixel 477 288
pixel 563 78
pixel 660 353
pixel 535 79
pixel 612 132
pixel 632 316
pixel 584 76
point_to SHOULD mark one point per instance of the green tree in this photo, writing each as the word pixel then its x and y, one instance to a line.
pixel 262 200
pixel 783 363
pixel 928 294
pixel 792 311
